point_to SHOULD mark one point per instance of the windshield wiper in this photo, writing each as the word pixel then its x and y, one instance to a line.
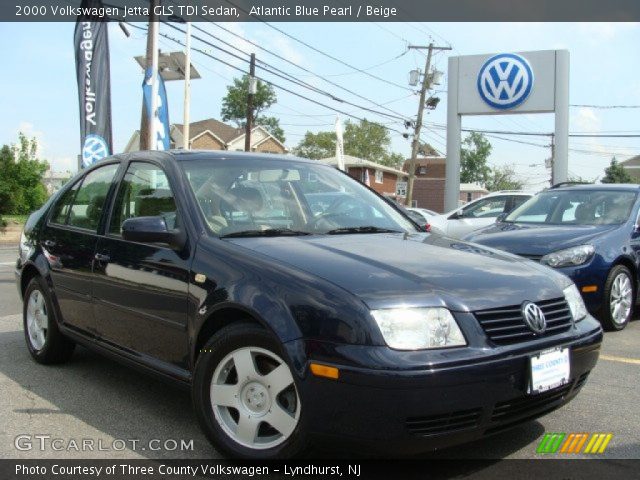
pixel 363 229
pixel 269 232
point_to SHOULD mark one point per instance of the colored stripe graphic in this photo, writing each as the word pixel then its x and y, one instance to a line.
pixel 598 443
pixel 550 442
pixel 573 443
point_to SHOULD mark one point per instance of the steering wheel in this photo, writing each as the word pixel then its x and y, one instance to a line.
pixel 330 212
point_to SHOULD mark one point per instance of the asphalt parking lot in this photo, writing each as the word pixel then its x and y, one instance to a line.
pixel 114 406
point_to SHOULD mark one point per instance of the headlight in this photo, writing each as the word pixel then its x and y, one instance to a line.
pixel 569 257
pixel 576 304
pixel 418 328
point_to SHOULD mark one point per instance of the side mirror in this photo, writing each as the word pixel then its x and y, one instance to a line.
pixel 501 217
pixel 151 230
pixel 456 215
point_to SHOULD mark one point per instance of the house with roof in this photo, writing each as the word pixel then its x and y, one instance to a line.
pixel 632 167
pixel 211 134
pixel 385 180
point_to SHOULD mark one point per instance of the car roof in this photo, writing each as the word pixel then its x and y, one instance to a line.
pixel 599 186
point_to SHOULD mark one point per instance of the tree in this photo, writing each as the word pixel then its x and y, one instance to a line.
pixel 367 140
pixel 234 106
pixel 473 159
pixel 21 173
pixel 615 173
pixel 503 178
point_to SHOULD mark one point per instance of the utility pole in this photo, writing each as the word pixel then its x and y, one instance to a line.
pixel 187 90
pixel 553 158
pixel 250 94
pixel 146 125
pixel 415 144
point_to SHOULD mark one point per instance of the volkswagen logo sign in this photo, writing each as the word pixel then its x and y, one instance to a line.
pixel 95 148
pixel 534 317
pixel 505 80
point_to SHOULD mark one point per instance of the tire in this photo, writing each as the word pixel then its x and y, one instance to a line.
pixel 246 394
pixel 45 342
pixel 619 299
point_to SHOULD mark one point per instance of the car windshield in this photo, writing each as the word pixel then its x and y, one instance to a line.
pixel 268 197
pixel 575 207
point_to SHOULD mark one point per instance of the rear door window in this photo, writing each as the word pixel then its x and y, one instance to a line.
pixel 88 205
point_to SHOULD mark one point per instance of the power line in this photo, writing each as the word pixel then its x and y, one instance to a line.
pixel 317 50
pixel 403 117
pixel 604 106
pixel 290 78
pixel 275 85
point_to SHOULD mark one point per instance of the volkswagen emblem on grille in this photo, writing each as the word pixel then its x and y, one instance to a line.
pixel 534 317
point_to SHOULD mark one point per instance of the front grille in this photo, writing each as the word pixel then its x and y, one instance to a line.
pixel 525 407
pixel 506 325
pixel 444 423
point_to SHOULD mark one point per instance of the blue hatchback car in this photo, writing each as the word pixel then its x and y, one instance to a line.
pixel 589 232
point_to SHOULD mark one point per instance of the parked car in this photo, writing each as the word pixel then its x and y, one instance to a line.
pixel 589 232
pixel 426 214
pixel 478 213
pixel 212 270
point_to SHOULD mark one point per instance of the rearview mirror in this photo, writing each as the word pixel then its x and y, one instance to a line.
pixel 456 215
pixel 152 230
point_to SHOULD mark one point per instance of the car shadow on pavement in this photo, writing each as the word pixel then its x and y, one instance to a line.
pixel 95 397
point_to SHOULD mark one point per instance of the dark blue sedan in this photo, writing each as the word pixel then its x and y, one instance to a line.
pixel 588 232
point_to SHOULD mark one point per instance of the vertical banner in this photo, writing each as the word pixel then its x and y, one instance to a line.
pixel 91 43
pixel 339 145
pixel 159 122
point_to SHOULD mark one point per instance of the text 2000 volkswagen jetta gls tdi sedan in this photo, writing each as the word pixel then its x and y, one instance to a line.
pixel 294 319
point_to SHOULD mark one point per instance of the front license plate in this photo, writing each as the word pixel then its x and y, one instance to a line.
pixel 549 369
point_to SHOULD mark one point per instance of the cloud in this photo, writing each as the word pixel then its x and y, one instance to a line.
pixel 29 131
pixel 586 119
pixel 60 163
pixel 605 31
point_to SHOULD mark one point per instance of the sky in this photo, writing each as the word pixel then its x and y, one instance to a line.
pixel 39 90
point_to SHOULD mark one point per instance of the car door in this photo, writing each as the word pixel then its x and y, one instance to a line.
pixel 69 241
pixel 141 289
pixel 476 215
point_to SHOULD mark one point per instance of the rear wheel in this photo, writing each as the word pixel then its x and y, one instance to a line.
pixel 246 397
pixel 45 342
pixel 619 299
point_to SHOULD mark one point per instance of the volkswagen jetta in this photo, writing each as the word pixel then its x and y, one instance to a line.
pixel 289 323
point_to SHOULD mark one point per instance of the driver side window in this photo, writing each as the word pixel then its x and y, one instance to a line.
pixel 144 192
pixel 486 208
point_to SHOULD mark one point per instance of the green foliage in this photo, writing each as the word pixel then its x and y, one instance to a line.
pixel 503 178
pixel 234 106
pixel 21 172
pixel 615 173
pixel 368 140
pixel 473 159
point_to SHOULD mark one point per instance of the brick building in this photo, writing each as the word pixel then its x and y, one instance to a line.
pixel 387 181
pixel 428 185
pixel 212 134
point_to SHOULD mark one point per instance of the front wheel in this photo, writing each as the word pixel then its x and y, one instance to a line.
pixel 245 396
pixel 619 299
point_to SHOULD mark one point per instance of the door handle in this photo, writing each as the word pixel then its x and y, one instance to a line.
pixel 49 243
pixel 100 257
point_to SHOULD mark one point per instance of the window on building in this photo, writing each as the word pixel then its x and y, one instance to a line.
pixel 469 196
pixel 379 176
pixel 422 170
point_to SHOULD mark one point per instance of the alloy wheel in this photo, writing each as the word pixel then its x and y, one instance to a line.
pixel 254 398
pixel 37 320
pixel 621 298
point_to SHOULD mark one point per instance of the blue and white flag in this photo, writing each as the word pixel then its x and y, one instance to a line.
pixel 158 122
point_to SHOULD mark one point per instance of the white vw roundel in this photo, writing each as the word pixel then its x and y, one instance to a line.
pixel 95 148
pixel 505 80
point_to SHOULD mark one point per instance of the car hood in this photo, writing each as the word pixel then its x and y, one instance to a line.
pixel 386 270
pixel 535 240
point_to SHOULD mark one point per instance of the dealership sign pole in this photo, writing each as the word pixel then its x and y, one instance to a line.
pixel 91 43
pixel 505 84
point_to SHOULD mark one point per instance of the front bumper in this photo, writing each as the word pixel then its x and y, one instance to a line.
pixel 454 397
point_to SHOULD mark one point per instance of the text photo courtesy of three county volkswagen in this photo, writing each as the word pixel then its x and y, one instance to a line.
pixel 282 231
